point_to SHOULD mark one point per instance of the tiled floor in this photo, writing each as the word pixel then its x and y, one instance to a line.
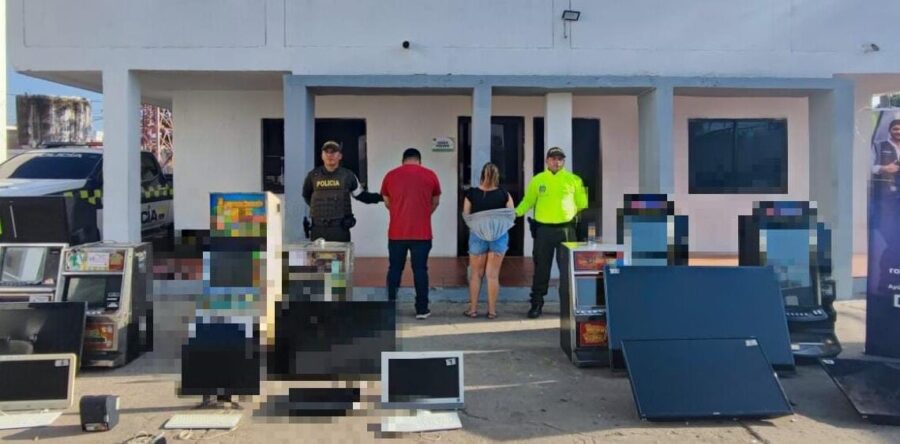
pixel 516 271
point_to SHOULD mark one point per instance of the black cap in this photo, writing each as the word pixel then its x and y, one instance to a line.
pixel 331 146
pixel 412 153
pixel 556 152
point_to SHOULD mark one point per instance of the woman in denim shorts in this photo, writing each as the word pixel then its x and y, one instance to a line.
pixel 486 256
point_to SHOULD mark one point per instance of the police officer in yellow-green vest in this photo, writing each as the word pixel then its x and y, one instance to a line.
pixel 327 190
pixel 556 196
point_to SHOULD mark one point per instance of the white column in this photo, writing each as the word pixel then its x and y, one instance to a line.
pixel 656 162
pixel 3 147
pixel 299 141
pixel 481 131
pixel 121 156
pixel 831 129
pixel 558 123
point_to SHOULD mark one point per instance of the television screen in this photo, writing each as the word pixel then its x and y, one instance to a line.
pixel 53 377
pixel 95 290
pixel 331 340
pixel 789 253
pixel 423 379
pixel 24 264
pixel 44 327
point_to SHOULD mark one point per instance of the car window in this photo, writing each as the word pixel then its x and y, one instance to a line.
pixel 149 167
pixel 44 165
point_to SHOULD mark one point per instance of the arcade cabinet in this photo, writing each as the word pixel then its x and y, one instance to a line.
pixel 787 236
pixel 115 280
pixel 582 310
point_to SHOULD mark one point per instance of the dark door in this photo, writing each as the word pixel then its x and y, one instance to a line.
pixel 351 134
pixel 507 150
pixel 584 160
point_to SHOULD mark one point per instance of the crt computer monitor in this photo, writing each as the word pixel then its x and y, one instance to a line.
pixel 426 380
pixel 42 327
pixel 51 386
pixel 791 254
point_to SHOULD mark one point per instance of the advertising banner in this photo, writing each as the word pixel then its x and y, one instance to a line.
pixel 883 284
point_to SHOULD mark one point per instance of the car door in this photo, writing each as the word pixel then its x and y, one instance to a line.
pixel 156 195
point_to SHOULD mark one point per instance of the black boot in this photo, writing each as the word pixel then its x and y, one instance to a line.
pixel 536 310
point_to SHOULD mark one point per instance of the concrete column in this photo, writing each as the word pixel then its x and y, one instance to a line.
pixel 481 131
pixel 3 147
pixel 299 138
pixel 831 128
pixel 558 123
pixel 121 156
pixel 657 162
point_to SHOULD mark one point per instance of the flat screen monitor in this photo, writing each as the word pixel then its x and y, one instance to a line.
pixel 42 327
pixel 318 340
pixel 96 290
pixel 221 358
pixel 428 380
pixel 29 265
pixel 51 386
pixel 789 253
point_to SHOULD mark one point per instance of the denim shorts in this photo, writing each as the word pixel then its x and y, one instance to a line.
pixel 478 246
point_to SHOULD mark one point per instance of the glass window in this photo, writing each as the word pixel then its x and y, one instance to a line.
pixel 44 165
pixel 149 167
pixel 737 156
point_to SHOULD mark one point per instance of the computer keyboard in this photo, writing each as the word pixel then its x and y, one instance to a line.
pixel 204 421
pixel 27 420
pixel 422 421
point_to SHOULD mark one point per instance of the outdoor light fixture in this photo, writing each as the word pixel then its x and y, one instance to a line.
pixel 570 15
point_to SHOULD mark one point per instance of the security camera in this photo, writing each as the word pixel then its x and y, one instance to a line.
pixel 405 44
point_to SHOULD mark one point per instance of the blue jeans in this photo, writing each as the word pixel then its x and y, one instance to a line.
pixel 418 251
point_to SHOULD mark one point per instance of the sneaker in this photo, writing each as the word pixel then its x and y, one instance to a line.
pixel 424 315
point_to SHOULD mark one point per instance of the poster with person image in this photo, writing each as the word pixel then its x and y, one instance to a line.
pixel 883 283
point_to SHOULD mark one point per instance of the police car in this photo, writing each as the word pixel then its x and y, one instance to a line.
pixel 78 172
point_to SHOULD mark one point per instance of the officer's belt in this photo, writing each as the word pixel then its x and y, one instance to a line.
pixel 560 225
pixel 327 222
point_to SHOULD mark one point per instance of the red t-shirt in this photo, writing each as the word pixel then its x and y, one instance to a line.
pixel 409 189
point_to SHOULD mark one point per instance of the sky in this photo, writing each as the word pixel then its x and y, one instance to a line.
pixel 18 84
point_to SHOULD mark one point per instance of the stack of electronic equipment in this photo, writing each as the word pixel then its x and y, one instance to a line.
pixel 697 342
pixel 320 330
pixel 222 357
pixel 40 346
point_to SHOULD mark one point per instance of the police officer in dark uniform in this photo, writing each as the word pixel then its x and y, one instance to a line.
pixel 327 190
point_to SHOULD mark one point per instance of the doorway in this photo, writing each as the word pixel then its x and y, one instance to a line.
pixel 507 152
pixel 585 161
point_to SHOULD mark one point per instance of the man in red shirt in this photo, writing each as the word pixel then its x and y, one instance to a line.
pixel 411 193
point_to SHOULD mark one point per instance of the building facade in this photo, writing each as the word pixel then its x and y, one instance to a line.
pixel 635 90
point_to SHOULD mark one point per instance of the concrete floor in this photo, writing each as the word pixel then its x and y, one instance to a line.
pixel 519 387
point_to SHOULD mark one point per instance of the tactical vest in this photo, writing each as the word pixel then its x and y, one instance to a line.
pixel 331 194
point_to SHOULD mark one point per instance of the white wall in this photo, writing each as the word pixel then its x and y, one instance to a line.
pixel 219 142
pixel 801 38
pixel 713 217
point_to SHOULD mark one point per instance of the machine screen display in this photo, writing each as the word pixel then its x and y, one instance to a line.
pixel 23 264
pixel 649 236
pixel 231 269
pixel 589 292
pixel 788 252
pixel 97 291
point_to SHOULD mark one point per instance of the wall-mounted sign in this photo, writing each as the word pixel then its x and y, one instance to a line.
pixel 442 144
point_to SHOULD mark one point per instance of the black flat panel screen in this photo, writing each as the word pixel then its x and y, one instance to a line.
pixel 674 302
pixel 97 291
pixel 703 378
pixel 413 380
pixel 221 359
pixel 45 327
pixel 231 268
pixel 872 387
pixel 329 340
pixel 52 378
